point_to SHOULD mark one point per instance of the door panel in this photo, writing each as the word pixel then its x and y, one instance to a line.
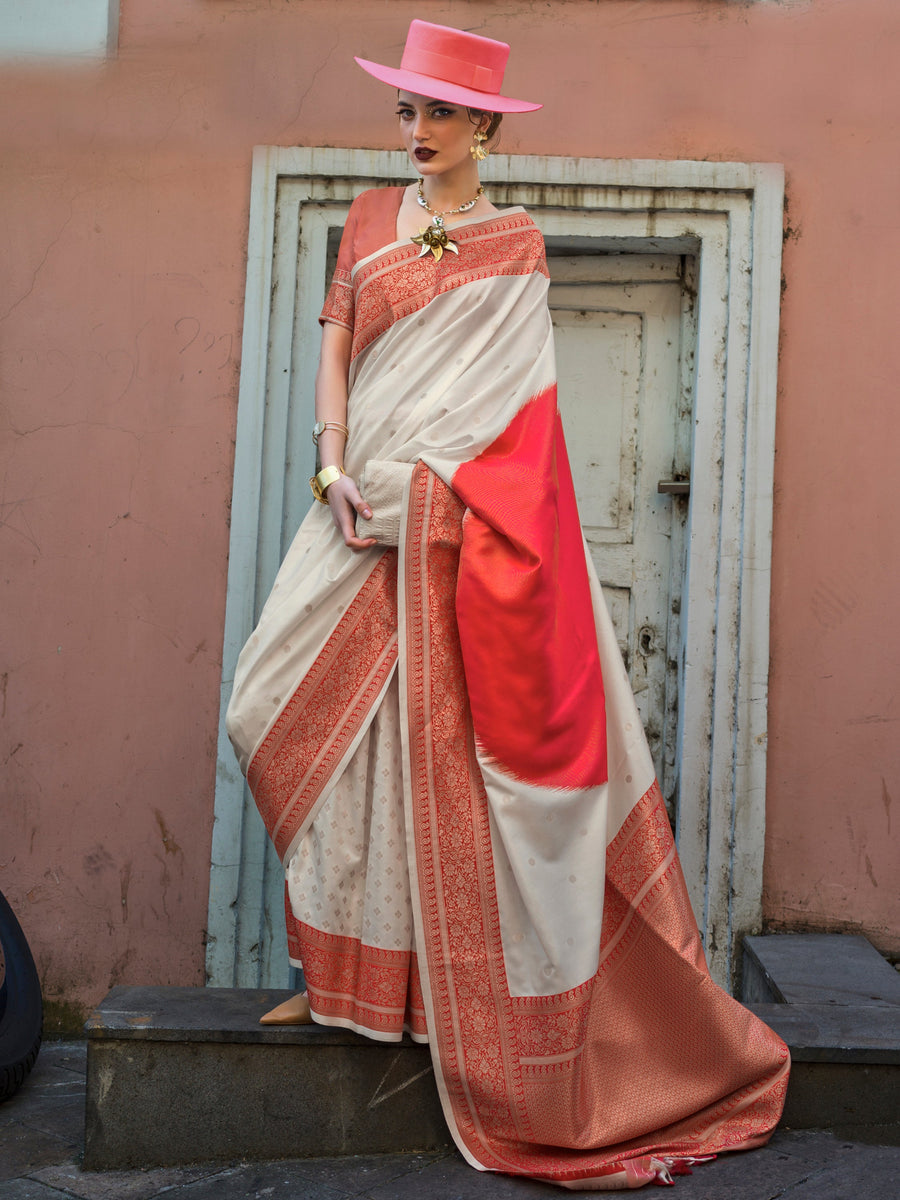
pixel 620 323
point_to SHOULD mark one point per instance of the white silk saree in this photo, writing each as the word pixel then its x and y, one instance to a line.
pixel 441 739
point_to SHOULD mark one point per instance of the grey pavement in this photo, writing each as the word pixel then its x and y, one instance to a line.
pixel 41 1138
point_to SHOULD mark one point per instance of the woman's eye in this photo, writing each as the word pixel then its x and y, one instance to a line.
pixel 443 112
pixel 404 113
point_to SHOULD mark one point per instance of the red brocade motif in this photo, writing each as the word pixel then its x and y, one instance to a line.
pixel 355 985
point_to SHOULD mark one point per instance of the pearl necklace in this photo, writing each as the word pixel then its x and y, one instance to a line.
pixel 435 237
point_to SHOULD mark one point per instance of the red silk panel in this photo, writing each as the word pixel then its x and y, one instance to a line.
pixel 524 609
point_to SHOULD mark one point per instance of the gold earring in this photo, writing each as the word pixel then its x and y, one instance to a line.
pixel 478 151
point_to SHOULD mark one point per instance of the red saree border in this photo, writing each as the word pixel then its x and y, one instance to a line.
pixel 353 984
pixel 471 1032
pixel 338 307
pixel 510 245
pixel 318 724
pixel 641 866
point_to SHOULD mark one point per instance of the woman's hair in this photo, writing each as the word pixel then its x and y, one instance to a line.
pixel 475 115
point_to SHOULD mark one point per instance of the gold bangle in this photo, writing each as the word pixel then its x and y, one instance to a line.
pixel 321 482
pixel 321 426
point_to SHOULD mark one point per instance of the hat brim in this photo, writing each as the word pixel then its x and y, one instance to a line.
pixel 440 89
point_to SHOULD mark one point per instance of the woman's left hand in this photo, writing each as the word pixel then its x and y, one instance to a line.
pixel 345 502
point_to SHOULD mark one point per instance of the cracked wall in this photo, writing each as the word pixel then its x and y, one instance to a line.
pixel 124 208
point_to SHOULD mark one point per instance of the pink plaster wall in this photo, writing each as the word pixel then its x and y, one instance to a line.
pixel 124 208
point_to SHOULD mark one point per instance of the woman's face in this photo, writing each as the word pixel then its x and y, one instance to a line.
pixel 436 134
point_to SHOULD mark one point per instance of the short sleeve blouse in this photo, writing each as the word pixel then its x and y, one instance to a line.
pixel 371 224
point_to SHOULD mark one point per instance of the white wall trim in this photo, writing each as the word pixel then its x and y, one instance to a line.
pixel 731 215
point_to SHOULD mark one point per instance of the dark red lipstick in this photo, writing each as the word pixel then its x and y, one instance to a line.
pixel 423 154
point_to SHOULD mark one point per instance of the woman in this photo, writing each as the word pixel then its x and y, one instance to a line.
pixel 437 726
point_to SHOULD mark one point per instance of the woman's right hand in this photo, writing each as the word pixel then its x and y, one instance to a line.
pixel 345 502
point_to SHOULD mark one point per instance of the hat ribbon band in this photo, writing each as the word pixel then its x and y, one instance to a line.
pixel 451 70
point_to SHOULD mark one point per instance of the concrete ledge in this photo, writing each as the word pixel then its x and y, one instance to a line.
pixel 825 1034
pixel 198 1014
pixel 817 968
pixel 183 1075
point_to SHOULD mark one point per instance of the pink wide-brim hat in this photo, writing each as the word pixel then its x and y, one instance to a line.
pixel 449 64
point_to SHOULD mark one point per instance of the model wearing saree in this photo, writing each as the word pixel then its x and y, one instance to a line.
pixel 441 738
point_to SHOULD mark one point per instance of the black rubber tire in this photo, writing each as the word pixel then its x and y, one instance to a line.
pixel 21 1005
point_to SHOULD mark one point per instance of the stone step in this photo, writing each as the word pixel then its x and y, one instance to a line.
pixel 817 968
pixel 183 1075
pixel 836 1002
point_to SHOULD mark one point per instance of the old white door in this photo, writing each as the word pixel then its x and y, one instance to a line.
pixel 624 330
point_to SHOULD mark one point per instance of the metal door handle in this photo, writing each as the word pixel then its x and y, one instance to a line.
pixel 674 487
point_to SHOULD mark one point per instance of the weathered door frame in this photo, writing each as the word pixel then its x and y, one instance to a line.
pixel 727 214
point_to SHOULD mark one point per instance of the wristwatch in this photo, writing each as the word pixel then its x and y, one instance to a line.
pixel 321 426
pixel 321 482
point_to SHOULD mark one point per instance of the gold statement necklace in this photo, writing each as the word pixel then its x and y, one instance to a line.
pixel 435 237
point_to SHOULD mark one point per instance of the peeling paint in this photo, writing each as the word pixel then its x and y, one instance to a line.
pixel 870 872
pixel 124 883
pixel 169 844
pixel 886 801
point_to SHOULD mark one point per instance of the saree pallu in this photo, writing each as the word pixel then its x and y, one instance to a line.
pixel 441 738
